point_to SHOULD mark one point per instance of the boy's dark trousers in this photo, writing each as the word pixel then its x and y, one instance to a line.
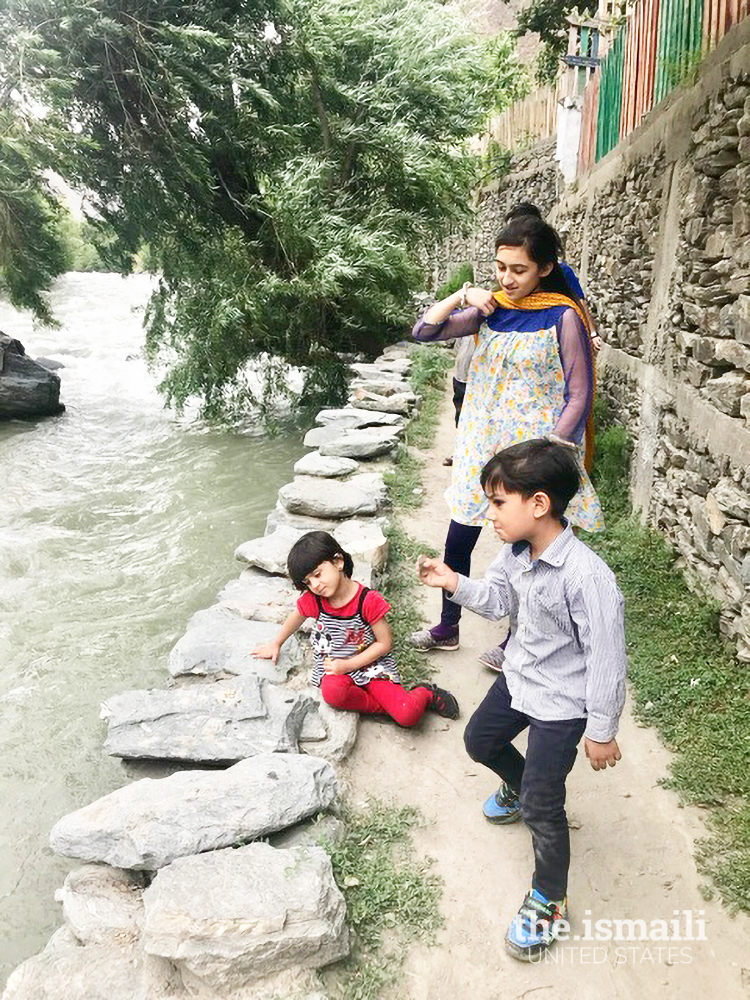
pixel 539 780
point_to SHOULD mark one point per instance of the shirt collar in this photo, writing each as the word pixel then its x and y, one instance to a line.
pixel 554 554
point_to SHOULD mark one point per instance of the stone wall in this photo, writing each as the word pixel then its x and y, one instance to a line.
pixel 534 177
pixel 660 231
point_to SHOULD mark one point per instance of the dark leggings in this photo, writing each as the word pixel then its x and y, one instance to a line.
pixel 458 548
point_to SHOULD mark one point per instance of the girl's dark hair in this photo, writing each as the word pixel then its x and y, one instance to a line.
pixel 310 551
pixel 537 466
pixel 523 208
pixel 543 245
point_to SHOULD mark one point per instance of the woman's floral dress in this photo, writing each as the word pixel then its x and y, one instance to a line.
pixel 531 375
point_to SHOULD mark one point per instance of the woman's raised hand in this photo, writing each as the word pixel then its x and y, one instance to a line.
pixel 484 301
pixel 435 573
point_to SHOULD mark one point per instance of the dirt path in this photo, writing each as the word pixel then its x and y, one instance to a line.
pixel 631 845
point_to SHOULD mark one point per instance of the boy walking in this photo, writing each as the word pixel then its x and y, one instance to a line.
pixel 564 671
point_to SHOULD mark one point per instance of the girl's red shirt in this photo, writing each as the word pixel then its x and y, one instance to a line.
pixel 374 608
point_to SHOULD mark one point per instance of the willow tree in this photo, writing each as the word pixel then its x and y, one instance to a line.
pixel 283 160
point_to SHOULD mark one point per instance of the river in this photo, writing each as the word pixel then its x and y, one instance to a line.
pixel 118 520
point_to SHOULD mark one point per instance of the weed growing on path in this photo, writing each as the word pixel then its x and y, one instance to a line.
pixel 401 587
pixel 390 894
pixel 406 491
pixel 685 677
pixel 429 367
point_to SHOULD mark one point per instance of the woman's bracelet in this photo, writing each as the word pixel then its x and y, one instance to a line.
pixel 556 439
pixel 464 289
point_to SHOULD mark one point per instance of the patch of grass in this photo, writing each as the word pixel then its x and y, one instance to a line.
pixel 429 367
pixel 685 677
pixel 389 893
pixel 402 589
pixel 404 483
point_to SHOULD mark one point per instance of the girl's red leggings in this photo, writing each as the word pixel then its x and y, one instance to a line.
pixel 406 707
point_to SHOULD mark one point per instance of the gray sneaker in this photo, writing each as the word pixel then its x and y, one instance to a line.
pixel 493 658
pixel 423 641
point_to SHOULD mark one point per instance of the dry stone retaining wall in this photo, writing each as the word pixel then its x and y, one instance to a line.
pixel 660 232
pixel 534 177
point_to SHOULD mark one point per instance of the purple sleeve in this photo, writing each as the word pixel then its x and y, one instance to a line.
pixel 461 323
pixel 578 369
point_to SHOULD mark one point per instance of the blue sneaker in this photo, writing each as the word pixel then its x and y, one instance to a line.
pixel 502 806
pixel 535 926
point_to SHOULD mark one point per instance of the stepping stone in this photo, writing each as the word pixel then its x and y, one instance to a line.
pixel 381 387
pixel 232 917
pixel 373 484
pixel 281 516
pixel 384 368
pixel 259 597
pixel 352 418
pixel 324 466
pixel 400 402
pixel 65 969
pixel 370 442
pixel 325 498
pixel 365 543
pixel 341 730
pixel 217 723
pixel 310 833
pixel 100 904
pixel 219 643
pixel 320 435
pixel 269 552
pixel 149 823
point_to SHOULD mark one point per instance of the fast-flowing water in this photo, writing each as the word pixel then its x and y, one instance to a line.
pixel 117 522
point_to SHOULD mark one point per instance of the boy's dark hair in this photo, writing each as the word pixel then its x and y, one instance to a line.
pixel 523 208
pixel 310 551
pixel 537 466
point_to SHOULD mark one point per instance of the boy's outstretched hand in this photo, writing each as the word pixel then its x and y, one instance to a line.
pixel 435 573
pixel 601 754
pixel 270 651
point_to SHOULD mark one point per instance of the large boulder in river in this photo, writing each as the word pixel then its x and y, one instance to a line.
pixel 269 552
pixel 369 442
pixel 149 823
pixel 220 643
pixel 217 723
pixel 27 389
pixel 65 970
pixel 233 917
pixel 325 497
pixel 324 467
pixel 348 417
pixel 259 596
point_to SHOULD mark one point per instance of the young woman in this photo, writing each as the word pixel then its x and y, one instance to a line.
pixel 531 376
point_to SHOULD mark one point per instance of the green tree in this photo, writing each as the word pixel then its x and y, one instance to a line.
pixel 33 249
pixel 547 19
pixel 282 159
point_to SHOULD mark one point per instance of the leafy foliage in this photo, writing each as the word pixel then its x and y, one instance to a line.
pixel 282 160
pixel 547 19
pixel 456 280
pixel 33 249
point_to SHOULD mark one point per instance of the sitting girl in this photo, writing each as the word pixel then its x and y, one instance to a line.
pixel 352 642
